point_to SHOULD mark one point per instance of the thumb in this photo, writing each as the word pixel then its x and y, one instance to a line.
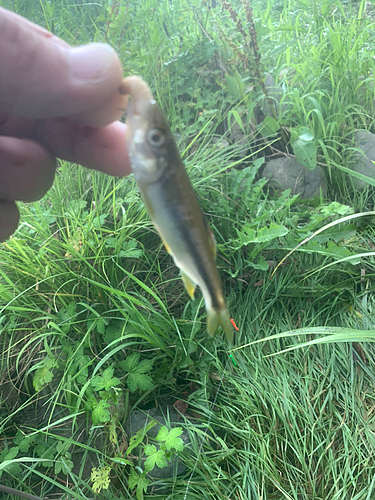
pixel 42 76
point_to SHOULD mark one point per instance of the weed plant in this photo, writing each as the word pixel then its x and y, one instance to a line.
pixel 94 320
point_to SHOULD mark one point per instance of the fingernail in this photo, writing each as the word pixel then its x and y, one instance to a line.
pixel 90 62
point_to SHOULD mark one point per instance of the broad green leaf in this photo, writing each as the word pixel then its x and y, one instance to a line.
pixel 133 479
pixel 139 381
pixel 9 454
pixel 306 136
pixel 171 438
pixel 337 252
pixel 130 363
pixel 106 381
pixel 137 378
pixel 144 366
pixel 140 481
pixel 82 368
pixel 245 236
pixel 270 233
pixel 100 478
pixel 154 457
pixel 101 413
pixel 24 442
pixel 305 151
pixel 268 127
pixel 44 374
pixel 262 264
pixel 47 451
pixel 142 486
pixel 336 208
pixel 130 250
pixel 337 233
pixel 112 333
pixel 162 434
pixel 135 441
pixel 98 221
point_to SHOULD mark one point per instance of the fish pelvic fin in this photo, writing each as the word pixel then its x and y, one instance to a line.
pixel 216 318
pixel 189 285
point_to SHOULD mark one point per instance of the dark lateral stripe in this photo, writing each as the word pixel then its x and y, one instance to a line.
pixel 187 236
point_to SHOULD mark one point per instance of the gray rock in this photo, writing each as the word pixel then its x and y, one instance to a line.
pixel 286 173
pixel 167 416
pixel 220 142
pixel 276 93
pixel 364 157
pixel 237 135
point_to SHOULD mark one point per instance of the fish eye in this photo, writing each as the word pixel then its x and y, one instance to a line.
pixel 156 137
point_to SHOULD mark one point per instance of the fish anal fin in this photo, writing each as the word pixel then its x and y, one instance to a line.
pixel 189 285
pixel 216 318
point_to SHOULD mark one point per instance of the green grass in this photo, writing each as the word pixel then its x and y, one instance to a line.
pixel 85 282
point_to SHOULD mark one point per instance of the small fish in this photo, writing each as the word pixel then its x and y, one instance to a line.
pixel 171 201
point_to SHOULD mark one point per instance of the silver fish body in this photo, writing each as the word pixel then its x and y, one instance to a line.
pixel 172 203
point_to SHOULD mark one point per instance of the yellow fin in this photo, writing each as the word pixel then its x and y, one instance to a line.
pixel 220 318
pixel 189 285
pixel 211 238
pixel 166 246
pixel 213 243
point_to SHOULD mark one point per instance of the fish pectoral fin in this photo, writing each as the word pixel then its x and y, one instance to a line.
pixel 189 285
pixel 216 318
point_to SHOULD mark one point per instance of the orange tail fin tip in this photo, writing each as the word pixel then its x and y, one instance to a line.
pixel 234 325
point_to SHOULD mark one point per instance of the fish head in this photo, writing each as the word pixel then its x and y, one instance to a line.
pixel 151 146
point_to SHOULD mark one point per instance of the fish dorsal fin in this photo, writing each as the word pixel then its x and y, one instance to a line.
pixel 189 285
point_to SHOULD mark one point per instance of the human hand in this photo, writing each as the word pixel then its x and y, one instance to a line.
pixel 55 101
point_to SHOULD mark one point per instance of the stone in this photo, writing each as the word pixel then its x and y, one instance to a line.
pixel 286 173
pixel 276 93
pixel 237 136
pixel 220 142
pixel 363 157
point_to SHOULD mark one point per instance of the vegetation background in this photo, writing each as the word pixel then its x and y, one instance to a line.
pixel 94 319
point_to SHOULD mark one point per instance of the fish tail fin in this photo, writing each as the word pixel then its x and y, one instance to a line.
pixel 219 317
